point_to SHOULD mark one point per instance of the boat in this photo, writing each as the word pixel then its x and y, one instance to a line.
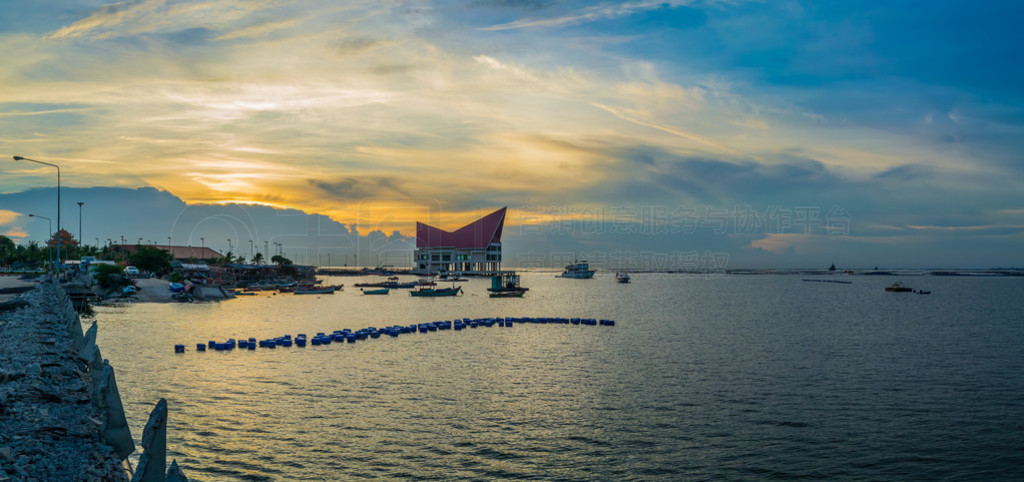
pixel 434 292
pixel 506 285
pixel 898 287
pixel 324 290
pixel 578 270
pixel 398 284
pixel 622 277
pixel 923 292
pixel 377 291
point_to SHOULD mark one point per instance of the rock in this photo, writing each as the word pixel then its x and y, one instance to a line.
pixel 174 474
pixel 154 444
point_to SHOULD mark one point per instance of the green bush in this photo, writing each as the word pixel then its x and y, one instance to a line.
pixel 103 273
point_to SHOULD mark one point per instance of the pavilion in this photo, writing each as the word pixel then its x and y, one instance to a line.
pixel 474 249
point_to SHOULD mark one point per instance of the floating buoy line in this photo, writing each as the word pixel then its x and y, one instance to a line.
pixel 348 336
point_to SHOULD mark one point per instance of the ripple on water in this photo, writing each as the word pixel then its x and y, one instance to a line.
pixel 735 378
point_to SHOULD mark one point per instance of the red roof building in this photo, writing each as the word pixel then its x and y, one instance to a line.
pixel 180 252
pixel 473 249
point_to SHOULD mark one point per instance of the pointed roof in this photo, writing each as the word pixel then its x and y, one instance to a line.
pixel 475 235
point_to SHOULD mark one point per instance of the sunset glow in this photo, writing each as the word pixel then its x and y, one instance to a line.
pixel 397 108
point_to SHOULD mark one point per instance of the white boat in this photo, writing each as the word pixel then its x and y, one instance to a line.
pixel 622 277
pixel 578 270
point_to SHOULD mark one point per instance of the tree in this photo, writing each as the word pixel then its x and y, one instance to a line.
pixel 8 250
pixel 280 260
pixel 149 258
pixel 108 275
pixel 257 258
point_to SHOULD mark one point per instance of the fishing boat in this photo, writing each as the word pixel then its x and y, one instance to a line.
pixel 435 292
pixel 399 284
pixel 377 291
pixel 578 270
pixel 371 285
pixel 898 287
pixel 320 290
pixel 622 277
pixel 506 285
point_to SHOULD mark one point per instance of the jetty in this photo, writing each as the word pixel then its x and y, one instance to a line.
pixel 61 416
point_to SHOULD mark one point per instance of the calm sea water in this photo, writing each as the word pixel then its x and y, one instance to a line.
pixel 737 377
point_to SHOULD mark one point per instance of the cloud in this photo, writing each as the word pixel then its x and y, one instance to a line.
pixel 360 45
pixel 7 217
pixel 261 29
pixel 594 13
pixel 108 17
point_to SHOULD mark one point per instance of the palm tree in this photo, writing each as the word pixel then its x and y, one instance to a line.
pixel 257 258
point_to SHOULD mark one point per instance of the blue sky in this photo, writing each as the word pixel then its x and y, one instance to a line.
pixel 902 120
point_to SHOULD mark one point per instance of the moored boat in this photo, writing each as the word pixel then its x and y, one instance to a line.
pixel 377 291
pixel 435 292
pixel 319 290
pixel 622 277
pixel 506 285
pixel 578 270
pixel 898 287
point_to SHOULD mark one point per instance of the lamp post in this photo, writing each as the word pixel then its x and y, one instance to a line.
pixel 202 248
pixel 19 158
pixel 168 244
pixel 81 239
pixel 49 252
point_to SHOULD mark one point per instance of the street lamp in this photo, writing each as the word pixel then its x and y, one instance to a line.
pixel 49 252
pixel 81 239
pixel 19 158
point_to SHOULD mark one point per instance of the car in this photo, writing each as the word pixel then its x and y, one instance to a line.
pixel 131 271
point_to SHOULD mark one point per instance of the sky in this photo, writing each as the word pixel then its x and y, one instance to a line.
pixel 753 133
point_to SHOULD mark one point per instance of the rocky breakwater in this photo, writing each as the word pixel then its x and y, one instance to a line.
pixel 61 416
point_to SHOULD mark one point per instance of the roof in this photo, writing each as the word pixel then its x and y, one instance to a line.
pixel 181 252
pixel 476 235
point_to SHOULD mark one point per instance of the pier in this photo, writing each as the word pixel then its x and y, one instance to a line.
pixel 61 416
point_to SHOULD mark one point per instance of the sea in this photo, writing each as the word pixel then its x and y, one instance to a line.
pixel 702 377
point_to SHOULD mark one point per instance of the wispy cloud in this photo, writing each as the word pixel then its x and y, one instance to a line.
pixel 602 11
